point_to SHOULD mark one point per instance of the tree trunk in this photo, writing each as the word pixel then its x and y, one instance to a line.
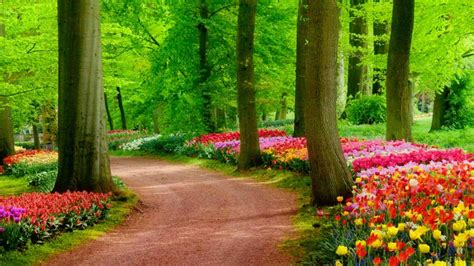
pixel 83 159
pixel 358 76
pixel 36 139
pixel 49 124
pixel 204 69
pixel 107 110
pixel 283 109
pixel 300 67
pixel 399 94
pixel 381 28
pixel 329 173
pixel 7 144
pixel 122 110
pixel 439 109
pixel 341 92
pixel 249 145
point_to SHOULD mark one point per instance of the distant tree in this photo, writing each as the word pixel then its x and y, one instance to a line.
pixel 399 93
pixel 300 67
pixel 329 173
pixel 381 29
pixel 358 73
pixel 83 159
pixel 249 143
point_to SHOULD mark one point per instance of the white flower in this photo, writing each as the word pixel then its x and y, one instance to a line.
pixel 413 182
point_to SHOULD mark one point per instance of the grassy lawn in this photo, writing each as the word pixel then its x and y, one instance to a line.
pixel 36 254
pixel 444 138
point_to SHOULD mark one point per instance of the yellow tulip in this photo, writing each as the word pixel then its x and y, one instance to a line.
pixel 376 244
pixel 392 231
pixel 440 263
pixel 424 248
pixel 361 242
pixel 358 221
pixel 342 250
pixel 401 226
pixel 459 262
pixel 392 246
pixel 339 263
pixel 340 199
pixel 437 234
pixel 414 235
pixel 459 225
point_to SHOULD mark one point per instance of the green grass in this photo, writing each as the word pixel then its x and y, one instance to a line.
pixel 455 138
pixel 13 186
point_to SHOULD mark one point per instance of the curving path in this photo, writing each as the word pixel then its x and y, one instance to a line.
pixel 192 216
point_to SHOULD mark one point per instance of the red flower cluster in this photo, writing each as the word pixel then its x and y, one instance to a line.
pixel 420 156
pixel 44 215
pixel 10 160
pixel 229 136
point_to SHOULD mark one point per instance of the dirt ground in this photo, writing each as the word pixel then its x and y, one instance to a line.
pixel 192 216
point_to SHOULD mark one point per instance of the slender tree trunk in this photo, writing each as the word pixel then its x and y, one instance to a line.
pixel 36 139
pixel 83 159
pixel 439 109
pixel 107 110
pixel 300 67
pixel 122 110
pixel 341 92
pixel 7 144
pixel 399 94
pixel 381 28
pixel 283 109
pixel 49 124
pixel 249 145
pixel 329 173
pixel 358 76
pixel 204 69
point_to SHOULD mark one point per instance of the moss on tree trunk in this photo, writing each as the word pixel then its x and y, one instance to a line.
pixel 329 173
pixel 83 159
pixel 249 145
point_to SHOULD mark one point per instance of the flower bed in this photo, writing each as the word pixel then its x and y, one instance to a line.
pixel 30 162
pixel 116 138
pixel 35 217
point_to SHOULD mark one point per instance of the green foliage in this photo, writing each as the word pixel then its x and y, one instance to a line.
pixel 43 181
pixel 460 112
pixel 23 169
pixel 167 144
pixel 367 110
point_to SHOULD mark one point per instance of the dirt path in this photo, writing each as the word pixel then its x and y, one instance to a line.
pixel 192 216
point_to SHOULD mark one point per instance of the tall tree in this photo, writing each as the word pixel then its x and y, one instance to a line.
pixel 204 69
pixel 83 159
pixel 107 110
pixel 300 67
pixel 439 109
pixel 358 72
pixel 7 146
pixel 381 29
pixel 399 93
pixel 249 144
pixel 123 119
pixel 329 173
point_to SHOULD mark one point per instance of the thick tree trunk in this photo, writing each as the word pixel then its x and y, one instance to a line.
pixel 249 145
pixel 7 145
pixel 204 69
pixel 36 139
pixel 329 173
pixel 49 124
pixel 358 76
pixel 83 159
pixel 381 28
pixel 122 110
pixel 300 67
pixel 107 110
pixel 439 109
pixel 399 94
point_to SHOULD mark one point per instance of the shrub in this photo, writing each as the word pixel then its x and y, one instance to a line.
pixel 367 110
pixel 460 112
pixel 43 181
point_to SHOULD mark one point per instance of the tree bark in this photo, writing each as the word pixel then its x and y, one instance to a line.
pixel 107 110
pixel 300 67
pixel 83 159
pixel 49 124
pixel 341 92
pixel 329 173
pixel 122 110
pixel 36 139
pixel 381 28
pixel 358 76
pixel 439 109
pixel 7 144
pixel 249 143
pixel 204 69
pixel 399 93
